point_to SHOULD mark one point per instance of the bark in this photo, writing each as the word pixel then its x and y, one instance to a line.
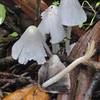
pixel 77 91
pixel 28 7
pixel 79 50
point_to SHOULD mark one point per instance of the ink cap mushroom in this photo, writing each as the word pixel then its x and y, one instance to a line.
pixel 29 47
pixel 48 70
pixel 72 13
pixel 51 24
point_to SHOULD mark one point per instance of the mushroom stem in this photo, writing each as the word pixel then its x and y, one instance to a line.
pixel 89 53
pixel 55 48
pixel 68 38
pixel 47 49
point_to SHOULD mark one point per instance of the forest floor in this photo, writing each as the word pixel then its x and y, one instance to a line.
pixel 14 76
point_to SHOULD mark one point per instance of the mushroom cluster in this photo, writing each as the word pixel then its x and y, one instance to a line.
pixel 52 24
pixel 32 45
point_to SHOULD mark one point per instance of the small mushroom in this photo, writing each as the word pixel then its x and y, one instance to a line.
pixel 51 24
pixel 51 68
pixel 71 13
pixel 30 46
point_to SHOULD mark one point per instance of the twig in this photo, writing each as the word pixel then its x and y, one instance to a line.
pixel 94 16
pixel 89 53
pixel 17 77
pixel 4 86
pixel 6 61
pixel 11 81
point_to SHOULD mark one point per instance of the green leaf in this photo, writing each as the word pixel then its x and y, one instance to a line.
pixel 14 34
pixel 56 3
pixel 2 13
pixel 97 4
pixel 2 39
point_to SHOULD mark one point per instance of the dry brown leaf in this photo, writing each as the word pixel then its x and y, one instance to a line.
pixel 28 93
pixel 28 7
pixel 36 94
pixel 18 94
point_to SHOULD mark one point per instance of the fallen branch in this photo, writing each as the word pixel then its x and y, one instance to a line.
pixel 89 53
pixel 78 51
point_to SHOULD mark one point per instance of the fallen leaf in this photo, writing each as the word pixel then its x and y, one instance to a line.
pixel 36 94
pixel 2 13
pixel 28 93
pixel 18 94
pixel 28 7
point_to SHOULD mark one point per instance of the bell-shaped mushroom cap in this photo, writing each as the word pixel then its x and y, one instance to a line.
pixel 29 47
pixel 72 13
pixel 49 70
pixel 51 24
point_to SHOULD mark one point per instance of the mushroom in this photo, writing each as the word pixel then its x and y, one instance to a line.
pixel 52 67
pixel 89 53
pixel 71 13
pixel 30 46
pixel 51 24
pixel 67 39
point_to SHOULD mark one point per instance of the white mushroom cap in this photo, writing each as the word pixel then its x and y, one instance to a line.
pixel 29 47
pixel 72 13
pixel 51 24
